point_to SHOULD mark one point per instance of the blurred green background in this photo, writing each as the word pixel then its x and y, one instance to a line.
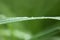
pixel 45 29
pixel 30 7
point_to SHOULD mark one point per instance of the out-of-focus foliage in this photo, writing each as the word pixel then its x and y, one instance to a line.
pixel 45 29
pixel 30 7
pixel 38 29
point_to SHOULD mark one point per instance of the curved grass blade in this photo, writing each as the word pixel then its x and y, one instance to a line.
pixel 15 19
